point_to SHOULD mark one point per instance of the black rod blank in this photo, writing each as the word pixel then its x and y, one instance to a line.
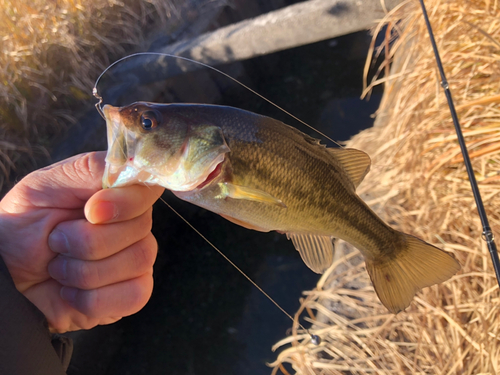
pixel 487 233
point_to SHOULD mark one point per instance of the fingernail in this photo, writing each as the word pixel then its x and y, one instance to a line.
pixel 68 294
pixel 58 242
pixel 102 212
pixel 57 268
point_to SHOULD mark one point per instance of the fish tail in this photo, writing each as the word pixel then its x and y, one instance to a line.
pixel 417 265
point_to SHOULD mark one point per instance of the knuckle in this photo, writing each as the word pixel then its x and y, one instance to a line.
pixel 141 292
pixel 145 253
pixel 149 218
pixel 86 276
pixel 59 322
pixel 82 167
pixel 89 323
pixel 145 203
pixel 146 221
pixel 91 243
pixel 90 303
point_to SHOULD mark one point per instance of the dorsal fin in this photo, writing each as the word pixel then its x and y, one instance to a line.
pixel 355 162
pixel 316 251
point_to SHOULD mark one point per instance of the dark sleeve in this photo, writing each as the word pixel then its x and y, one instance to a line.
pixel 26 345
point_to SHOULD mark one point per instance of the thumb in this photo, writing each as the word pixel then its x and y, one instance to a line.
pixel 67 184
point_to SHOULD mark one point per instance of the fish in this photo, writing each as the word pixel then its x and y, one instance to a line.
pixel 262 174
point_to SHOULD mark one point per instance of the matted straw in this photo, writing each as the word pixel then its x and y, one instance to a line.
pixel 419 185
pixel 51 52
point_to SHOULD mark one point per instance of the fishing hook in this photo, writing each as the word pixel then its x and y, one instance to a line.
pixel 487 234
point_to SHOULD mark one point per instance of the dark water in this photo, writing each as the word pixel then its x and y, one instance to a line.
pixel 204 317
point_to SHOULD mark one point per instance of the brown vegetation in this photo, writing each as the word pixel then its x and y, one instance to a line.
pixel 52 52
pixel 418 183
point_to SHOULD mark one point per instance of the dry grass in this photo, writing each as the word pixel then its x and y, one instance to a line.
pixel 418 183
pixel 51 53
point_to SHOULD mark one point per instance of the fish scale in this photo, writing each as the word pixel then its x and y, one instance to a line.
pixel 307 200
pixel 265 175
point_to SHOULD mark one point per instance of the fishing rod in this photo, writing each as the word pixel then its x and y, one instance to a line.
pixel 487 234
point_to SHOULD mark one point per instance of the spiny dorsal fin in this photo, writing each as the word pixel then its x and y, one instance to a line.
pixel 355 162
pixel 316 251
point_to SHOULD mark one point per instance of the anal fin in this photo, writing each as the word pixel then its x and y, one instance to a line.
pixel 316 251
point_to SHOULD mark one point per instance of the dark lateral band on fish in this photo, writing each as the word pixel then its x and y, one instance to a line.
pixel 265 175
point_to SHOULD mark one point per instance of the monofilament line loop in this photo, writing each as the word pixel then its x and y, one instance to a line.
pixel 99 109
pixel 315 339
pixel 487 233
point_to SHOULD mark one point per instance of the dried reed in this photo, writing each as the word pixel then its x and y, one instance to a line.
pixel 51 54
pixel 418 184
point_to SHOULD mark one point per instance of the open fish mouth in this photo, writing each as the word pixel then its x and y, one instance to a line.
pixel 179 159
pixel 186 149
pixel 120 169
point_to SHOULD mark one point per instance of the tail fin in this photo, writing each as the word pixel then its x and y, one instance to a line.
pixel 396 280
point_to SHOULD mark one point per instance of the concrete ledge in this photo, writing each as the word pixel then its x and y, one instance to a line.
pixel 296 25
pixel 293 26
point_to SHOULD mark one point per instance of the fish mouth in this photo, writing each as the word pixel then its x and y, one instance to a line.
pixel 178 164
pixel 119 169
pixel 216 172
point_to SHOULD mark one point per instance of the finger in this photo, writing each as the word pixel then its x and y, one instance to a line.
pixel 119 204
pixel 82 240
pixel 61 316
pixel 67 184
pixel 117 300
pixel 130 263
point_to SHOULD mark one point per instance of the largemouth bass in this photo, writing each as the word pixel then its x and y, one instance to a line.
pixel 265 175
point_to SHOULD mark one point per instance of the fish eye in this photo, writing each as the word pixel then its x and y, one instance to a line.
pixel 150 119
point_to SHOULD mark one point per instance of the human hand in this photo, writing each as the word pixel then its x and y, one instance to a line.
pixel 82 255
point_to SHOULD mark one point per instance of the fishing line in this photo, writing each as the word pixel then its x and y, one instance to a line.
pixel 315 339
pixel 487 234
pixel 99 109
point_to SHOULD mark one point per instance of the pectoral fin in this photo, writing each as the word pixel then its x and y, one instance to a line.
pixel 243 192
pixel 315 251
